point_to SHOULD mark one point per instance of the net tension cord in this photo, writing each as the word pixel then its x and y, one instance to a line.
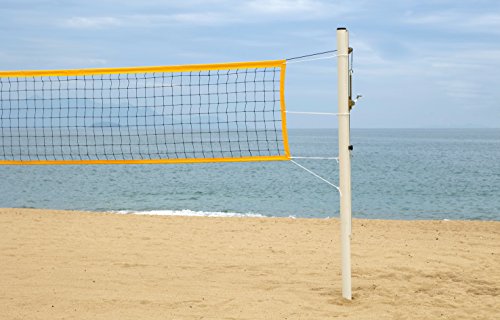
pixel 330 54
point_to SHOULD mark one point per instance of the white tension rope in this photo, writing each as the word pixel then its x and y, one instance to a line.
pixel 318 158
pixel 317 176
pixel 305 60
pixel 318 113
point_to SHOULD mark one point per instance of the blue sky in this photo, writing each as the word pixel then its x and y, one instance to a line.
pixel 418 64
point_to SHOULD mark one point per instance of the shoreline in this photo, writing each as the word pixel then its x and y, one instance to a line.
pixel 223 214
pixel 58 264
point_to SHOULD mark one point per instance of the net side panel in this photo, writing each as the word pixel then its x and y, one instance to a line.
pixel 172 114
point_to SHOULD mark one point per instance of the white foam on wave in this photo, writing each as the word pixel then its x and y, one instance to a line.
pixel 191 213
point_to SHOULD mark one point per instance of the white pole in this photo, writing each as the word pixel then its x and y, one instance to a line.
pixel 344 158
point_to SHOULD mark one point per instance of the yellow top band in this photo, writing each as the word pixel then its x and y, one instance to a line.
pixel 180 68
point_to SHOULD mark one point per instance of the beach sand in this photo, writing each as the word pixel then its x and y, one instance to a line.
pixel 77 265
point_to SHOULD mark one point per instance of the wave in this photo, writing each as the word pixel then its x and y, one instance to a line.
pixel 191 213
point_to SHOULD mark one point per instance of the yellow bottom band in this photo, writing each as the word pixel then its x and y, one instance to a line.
pixel 145 161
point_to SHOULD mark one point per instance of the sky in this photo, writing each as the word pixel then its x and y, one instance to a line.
pixel 418 64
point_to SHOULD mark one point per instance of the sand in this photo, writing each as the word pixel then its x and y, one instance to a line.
pixel 77 265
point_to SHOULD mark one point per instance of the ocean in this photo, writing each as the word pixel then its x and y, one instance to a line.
pixel 396 174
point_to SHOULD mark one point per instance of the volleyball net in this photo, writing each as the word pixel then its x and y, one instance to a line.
pixel 166 114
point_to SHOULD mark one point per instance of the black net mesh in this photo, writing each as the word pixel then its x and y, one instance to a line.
pixel 139 116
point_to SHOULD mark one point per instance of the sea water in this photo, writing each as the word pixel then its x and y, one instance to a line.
pixel 396 174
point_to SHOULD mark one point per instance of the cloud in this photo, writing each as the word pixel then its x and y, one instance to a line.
pixel 92 22
pixel 202 18
pixel 206 18
pixel 228 13
pixel 191 19
pixel 460 89
pixel 458 21
pixel 154 20
pixel 304 8
pixel 466 74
